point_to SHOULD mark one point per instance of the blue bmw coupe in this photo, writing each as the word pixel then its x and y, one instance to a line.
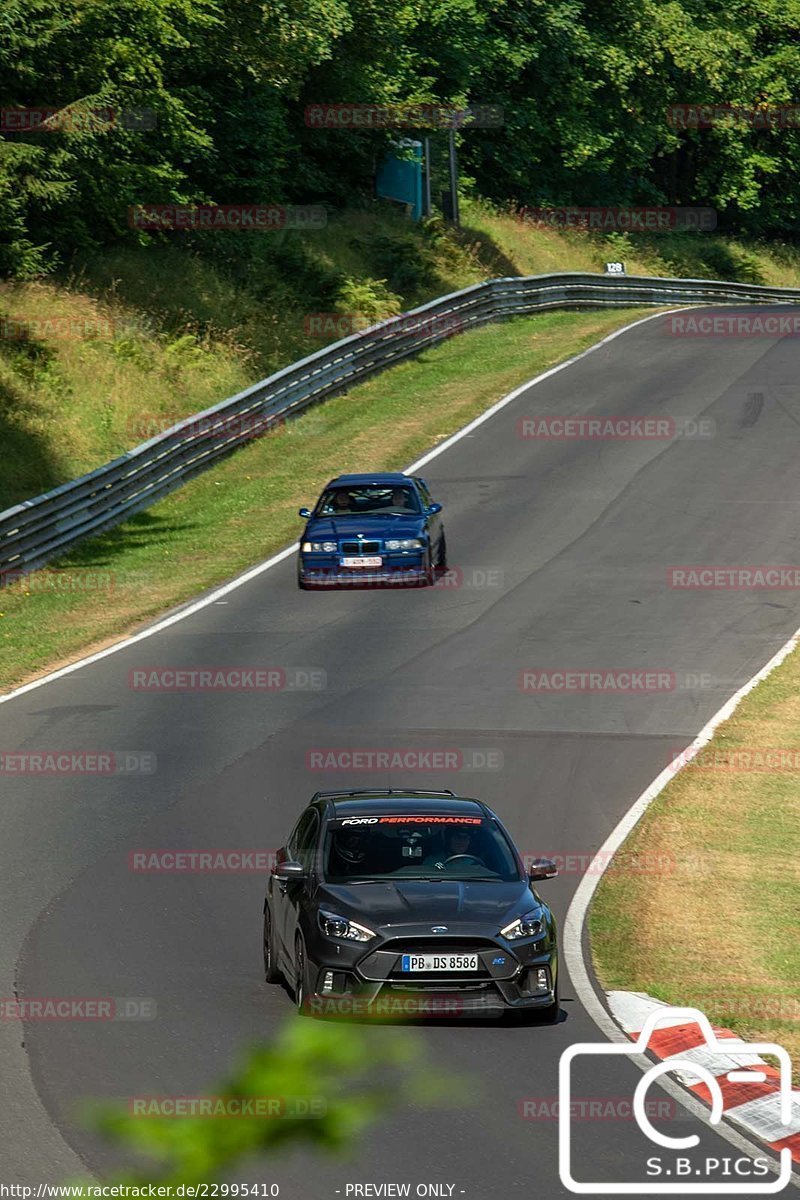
pixel 371 530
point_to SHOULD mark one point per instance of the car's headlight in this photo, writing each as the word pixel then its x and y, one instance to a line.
pixel 403 544
pixel 531 925
pixel 319 547
pixel 342 927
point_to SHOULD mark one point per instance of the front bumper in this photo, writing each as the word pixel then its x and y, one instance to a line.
pixel 369 981
pixel 343 576
pixel 327 571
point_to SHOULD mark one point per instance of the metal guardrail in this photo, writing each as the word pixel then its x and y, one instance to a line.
pixel 37 530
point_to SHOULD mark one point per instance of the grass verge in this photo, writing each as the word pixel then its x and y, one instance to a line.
pixel 718 929
pixel 246 508
pixel 130 340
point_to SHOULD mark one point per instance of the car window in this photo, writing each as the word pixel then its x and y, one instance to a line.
pixel 419 851
pixel 368 498
pixel 291 841
pixel 427 499
pixel 305 839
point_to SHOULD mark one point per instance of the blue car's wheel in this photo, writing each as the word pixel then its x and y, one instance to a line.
pixel 442 564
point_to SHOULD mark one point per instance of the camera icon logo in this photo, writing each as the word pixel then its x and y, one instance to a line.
pixel 721 1049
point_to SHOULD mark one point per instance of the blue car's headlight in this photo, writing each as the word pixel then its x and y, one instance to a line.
pixel 404 544
pixel 531 925
pixel 319 547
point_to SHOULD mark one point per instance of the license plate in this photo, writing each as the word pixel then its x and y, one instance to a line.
pixel 361 560
pixel 439 962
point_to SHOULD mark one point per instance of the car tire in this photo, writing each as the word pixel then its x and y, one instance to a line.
pixel 442 554
pixel 535 1016
pixel 301 583
pixel 301 988
pixel 271 972
pixel 552 1014
pixel 428 572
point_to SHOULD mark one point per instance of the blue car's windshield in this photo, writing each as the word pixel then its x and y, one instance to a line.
pixel 417 851
pixel 368 498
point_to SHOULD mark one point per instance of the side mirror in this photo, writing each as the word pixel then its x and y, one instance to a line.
pixel 289 871
pixel 542 868
pixel 304 512
pixel 433 509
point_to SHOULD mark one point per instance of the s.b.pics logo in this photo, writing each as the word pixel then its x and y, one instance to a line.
pixel 728 1074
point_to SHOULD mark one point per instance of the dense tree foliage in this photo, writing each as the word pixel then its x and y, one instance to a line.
pixel 584 87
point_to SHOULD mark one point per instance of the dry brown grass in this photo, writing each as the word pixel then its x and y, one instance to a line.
pixel 722 929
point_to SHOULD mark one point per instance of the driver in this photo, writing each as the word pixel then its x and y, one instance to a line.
pixel 341 502
pixel 458 842
pixel 400 498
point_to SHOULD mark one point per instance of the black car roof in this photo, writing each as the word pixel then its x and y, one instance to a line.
pixel 401 801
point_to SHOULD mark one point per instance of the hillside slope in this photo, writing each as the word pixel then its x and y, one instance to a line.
pixel 129 341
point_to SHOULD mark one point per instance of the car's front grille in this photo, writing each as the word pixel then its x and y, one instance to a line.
pixel 360 547
pixel 439 945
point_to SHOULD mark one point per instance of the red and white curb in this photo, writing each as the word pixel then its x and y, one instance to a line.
pixel 751 1103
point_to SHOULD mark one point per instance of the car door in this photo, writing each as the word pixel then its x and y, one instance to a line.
pixel 302 846
pixel 434 521
pixel 278 888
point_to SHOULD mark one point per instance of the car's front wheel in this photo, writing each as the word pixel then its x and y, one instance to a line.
pixel 301 985
pixel 428 570
pixel 551 1014
pixel 271 972
pixel 442 565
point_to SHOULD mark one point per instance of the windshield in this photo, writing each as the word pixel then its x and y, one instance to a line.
pixel 396 848
pixel 368 498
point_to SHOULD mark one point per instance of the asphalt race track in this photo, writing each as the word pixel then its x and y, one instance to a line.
pixel 561 549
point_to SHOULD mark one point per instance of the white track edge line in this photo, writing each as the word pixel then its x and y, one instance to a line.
pixel 575 922
pixel 190 609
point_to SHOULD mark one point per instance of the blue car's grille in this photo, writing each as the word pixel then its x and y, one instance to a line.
pixel 360 547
